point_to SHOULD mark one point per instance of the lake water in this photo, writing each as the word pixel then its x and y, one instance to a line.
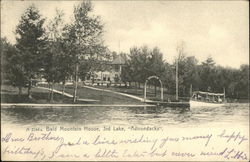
pixel 153 116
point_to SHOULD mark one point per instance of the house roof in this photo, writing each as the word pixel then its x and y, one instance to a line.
pixel 119 60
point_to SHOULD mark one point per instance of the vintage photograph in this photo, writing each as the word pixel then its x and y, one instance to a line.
pixel 124 80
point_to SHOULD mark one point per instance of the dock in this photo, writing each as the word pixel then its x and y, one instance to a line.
pixel 170 104
pixel 34 105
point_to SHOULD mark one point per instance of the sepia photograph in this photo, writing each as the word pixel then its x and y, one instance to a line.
pixel 106 80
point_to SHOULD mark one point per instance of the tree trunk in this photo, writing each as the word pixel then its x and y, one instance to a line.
pixel 49 91
pixel 19 90
pixel 93 79
pixel 52 92
pixel 76 80
pixel 176 82
pixel 155 90
pixel 191 90
pixel 63 90
pixel 136 87
pixel 29 89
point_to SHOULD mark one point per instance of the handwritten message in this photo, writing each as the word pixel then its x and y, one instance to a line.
pixel 124 143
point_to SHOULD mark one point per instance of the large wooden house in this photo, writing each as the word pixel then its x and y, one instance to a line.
pixel 111 74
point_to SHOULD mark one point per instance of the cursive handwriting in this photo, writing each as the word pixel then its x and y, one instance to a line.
pixel 227 153
pixel 237 137
pixel 24 151
pixel 206 137
pixel 9 138
pixel 44 137
pixel 102 146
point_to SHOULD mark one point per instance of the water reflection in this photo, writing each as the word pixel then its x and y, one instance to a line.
pixel 159 116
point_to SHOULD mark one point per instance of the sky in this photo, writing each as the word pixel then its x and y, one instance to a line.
pixel 219 29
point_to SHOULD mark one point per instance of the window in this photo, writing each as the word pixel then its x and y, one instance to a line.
pixel 116 68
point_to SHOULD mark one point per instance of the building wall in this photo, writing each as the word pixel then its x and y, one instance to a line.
pixel 113 75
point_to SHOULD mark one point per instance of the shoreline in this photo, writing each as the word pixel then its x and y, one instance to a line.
pixel 87 96
pixel 24 105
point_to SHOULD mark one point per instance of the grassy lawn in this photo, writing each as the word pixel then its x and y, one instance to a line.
pixel 102 96
pixel 109 98
pixel 9 94
pixel 140 92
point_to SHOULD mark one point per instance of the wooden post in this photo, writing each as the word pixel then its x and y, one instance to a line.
pixel 63 88
pixel 191 90
pixel 52 91
pixel 161 89
pixel 161 93
pixel 76 80
pixel 145 91
pixel 155 89
pixel 29 88
pixel 176 80
pixel 224 94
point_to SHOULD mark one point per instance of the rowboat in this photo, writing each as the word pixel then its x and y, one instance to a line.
pixel 201 99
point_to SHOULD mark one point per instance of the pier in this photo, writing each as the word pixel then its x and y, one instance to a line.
pixel 162 103
pixel 32 105
pixel 170 104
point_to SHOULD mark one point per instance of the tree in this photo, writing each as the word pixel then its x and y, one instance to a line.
pixel 12 68
pixel 133 64
pixel 180 57
pixel 126 71
pixel 156 65
pixel 139 64
pixel 189 75
pixel 156 62
pixel 30 43
pixel 243 81
pixel 56 58
pixel 84 35
pixel 142 63
pixel 6 52
pixel 207 74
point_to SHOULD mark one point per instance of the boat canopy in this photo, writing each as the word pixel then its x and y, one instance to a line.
pixel 208 93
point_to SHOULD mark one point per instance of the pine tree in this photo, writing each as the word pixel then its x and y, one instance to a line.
pixel 30 43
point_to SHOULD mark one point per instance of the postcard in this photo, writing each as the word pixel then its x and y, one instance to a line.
pixel 124 80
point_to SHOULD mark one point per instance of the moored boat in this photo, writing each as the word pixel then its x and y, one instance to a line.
pixel 206 99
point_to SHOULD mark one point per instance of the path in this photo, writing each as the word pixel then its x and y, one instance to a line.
pixel 68 95
pixel 23 105
pixel 123 94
